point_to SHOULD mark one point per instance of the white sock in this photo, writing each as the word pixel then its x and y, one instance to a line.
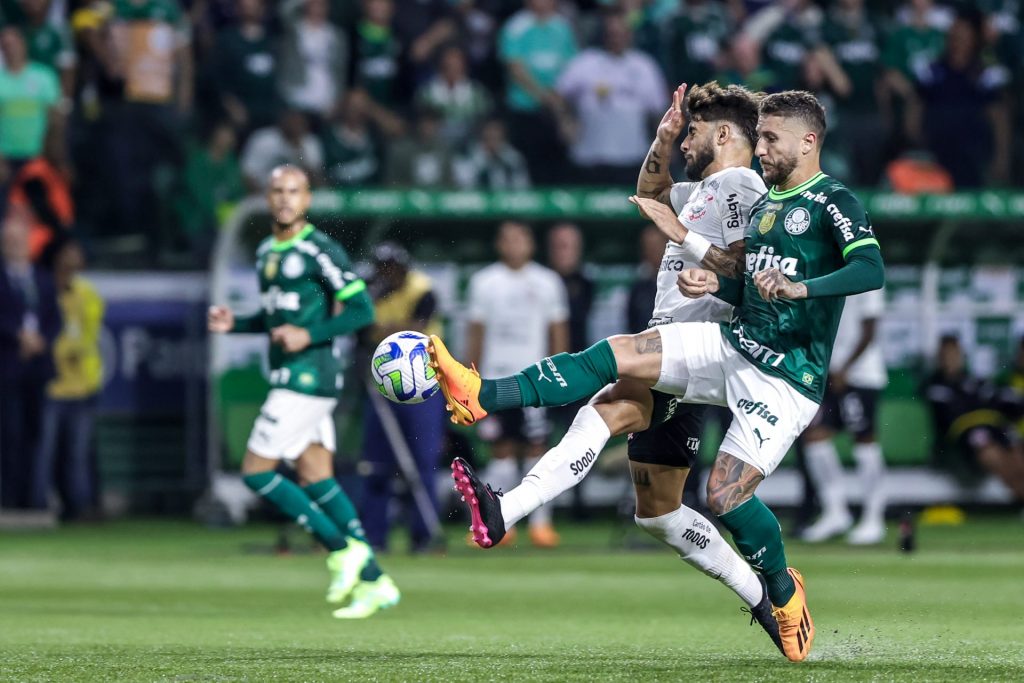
pixel 827 474
pixel 560 468
pixel 871 471
pixel 699 544
pixel 542 515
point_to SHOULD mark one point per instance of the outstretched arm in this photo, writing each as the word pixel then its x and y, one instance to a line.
pixel 863 272
pixel 727 262
pixel 655 181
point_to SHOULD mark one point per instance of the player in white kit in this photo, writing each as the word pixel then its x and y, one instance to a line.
pixel 857 375
pixel 518 311
pixel 714 208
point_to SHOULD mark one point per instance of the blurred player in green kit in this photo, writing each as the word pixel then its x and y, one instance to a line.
pixel 308 296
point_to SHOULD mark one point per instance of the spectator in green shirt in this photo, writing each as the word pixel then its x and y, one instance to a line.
pixel 787 31
pixel 28 95
pixel 211 180
pixel 854 40
pixel 692 41
pixel 376 52
pixel 422 160
pixel 535 45
pixel 461 101
pixel 908 53
pixel 245 69
pixel 352 149
pixel 48 44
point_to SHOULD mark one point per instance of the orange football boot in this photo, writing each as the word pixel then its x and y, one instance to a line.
pixel 796 628
pixel 544 536
pixel 459 384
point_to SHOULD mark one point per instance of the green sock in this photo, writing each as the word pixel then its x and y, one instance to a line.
pixel 331 498
pixel 554 381
pixel 758 537
pixel 293 501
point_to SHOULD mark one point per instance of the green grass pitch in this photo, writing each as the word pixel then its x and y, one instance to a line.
pixel 172 601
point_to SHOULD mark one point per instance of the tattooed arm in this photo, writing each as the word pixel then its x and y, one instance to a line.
pixel 654 181
pixel 727 262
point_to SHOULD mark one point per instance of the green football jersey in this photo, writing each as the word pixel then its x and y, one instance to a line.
pixel 301 280
pixel 805 232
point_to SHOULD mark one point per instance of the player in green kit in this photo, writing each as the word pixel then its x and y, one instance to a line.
pixel 309 296
pixel 808 245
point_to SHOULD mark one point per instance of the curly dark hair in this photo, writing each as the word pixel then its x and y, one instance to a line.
pixel 797 104
pixel 732 103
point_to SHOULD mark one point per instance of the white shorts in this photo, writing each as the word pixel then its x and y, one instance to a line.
pixel 699 366
pixel 289 422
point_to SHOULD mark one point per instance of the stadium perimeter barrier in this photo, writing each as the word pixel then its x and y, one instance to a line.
pixel 953 266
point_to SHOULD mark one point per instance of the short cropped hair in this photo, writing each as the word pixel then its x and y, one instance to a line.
pixel 797 104
pixel 733 103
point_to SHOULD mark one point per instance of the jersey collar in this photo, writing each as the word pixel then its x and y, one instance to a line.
pixel 775 194
pixel 288 244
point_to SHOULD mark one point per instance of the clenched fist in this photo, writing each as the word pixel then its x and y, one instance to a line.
pixel 772 285
pixel 220 319
pixel 696 282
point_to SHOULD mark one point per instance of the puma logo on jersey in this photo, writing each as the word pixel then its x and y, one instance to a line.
pixel 554 371
pixel 762 439
pixel 766 258
pixel 541 377
pixel 866 229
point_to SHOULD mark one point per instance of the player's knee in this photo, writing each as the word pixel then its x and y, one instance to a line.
pixel 624 348
pixel 655 526
pixel 255 464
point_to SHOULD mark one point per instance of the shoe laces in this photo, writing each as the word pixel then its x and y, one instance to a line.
pixel 497 493
pixel 780 615
pixel 753 617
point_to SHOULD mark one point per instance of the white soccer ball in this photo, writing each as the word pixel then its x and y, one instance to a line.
pixel 401 368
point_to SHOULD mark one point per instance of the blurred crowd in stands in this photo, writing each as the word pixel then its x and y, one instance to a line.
pixel 144 119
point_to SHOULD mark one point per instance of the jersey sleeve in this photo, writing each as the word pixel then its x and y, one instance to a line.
pixel 679 194
pixel 739 192
pixel 849 222
pixel 335 271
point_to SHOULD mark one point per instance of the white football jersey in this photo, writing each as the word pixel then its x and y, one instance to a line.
pixel 516 308
pixel 868 372
pixel 717 209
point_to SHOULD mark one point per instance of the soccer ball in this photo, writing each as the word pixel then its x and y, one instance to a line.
pixel 401 368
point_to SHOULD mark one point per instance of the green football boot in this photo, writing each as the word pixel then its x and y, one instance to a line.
pixel 369 597
pixel 344 566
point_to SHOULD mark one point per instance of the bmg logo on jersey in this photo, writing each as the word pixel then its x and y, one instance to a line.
pixel 766 258
pixel 275 299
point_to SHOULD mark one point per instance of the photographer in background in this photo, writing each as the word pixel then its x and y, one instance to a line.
pixel 404 300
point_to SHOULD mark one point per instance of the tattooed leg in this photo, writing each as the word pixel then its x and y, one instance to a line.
pixel 732 482
pixel 754 528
